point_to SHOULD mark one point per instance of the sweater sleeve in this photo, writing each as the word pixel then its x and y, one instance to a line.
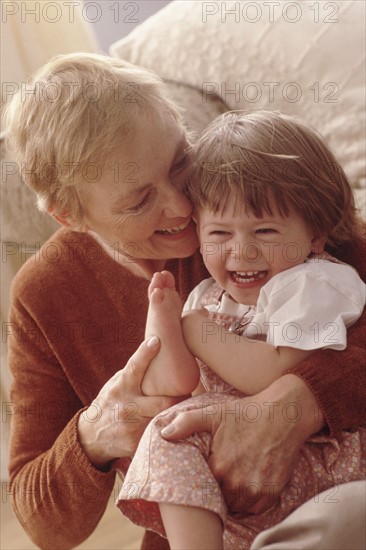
pixel 58 495
pixel 337 380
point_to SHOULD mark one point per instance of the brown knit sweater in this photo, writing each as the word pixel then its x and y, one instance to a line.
pixel 76 318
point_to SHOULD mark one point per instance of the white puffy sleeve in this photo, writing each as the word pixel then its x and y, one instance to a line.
pixel 194 299
pixel 310 306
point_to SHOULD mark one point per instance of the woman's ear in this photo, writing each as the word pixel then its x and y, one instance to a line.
pixel 62 218
pixel 318 244
pixel 65 219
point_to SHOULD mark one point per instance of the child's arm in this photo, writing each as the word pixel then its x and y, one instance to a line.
pixel 199 390
pixel 247 364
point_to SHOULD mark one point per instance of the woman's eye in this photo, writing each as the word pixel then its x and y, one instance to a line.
pixel 141 204
pixel 181 164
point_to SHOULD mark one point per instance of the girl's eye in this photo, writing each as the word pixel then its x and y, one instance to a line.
pixel 265 231
pixel 219 233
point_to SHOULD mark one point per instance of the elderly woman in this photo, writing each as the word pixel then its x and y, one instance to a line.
pixel 107 154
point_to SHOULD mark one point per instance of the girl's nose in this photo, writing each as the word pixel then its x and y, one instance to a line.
pixel 243 252
pixel 252 252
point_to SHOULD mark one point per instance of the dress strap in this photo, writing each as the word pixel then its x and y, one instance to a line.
pixel 212 295
pixel 325 256
pixel 231 322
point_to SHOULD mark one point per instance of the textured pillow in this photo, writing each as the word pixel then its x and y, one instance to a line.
pixel 303 58
pixel 197 115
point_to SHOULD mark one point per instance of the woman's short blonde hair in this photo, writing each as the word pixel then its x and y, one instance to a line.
pixel 72 115
pixel 265 158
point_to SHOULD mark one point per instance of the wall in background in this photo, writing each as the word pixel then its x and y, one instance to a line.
pixel 114 19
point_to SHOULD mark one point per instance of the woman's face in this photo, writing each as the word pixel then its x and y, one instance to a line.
pixel 139 207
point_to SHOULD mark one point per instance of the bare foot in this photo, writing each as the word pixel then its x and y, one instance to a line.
pixel 174 371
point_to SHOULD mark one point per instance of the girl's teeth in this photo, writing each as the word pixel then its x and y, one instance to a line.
pixel 248 276
pixel 246 273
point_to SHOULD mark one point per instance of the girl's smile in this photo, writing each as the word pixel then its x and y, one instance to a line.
pixel 247 279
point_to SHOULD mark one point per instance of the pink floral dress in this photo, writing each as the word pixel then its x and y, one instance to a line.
pixel 177 472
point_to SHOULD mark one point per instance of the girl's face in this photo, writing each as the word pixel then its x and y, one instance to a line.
pixel 139 207
pixel 242 252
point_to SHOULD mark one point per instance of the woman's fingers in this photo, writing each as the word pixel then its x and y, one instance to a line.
pixel 252 461
pixel 115 421
pixel 134 372
pixel 186 423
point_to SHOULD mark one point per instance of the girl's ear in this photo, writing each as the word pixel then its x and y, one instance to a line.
pixel 318 244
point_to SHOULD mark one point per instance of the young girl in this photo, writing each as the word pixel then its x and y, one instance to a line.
pixel 271 204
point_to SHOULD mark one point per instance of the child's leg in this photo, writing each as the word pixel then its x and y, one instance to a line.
pixel 174 371
pixel 191 528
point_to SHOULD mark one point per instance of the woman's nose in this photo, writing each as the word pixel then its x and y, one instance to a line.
pixel 177 203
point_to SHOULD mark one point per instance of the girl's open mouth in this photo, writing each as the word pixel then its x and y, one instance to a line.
pixel 247 276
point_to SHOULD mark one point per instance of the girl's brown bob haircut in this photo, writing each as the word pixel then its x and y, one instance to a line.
pixel 265 158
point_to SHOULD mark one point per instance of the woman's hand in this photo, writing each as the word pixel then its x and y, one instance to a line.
pixel 113 424
pixel 255 440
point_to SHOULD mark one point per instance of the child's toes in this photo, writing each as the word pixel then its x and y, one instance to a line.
pixel 169 281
